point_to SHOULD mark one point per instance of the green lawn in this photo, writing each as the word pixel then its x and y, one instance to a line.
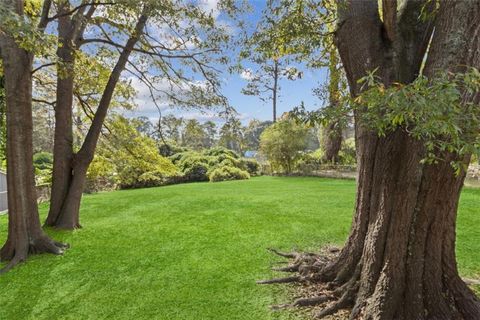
pixel 192 251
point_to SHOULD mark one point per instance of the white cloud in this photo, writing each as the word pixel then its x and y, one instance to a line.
pixel 210 6
pixel 247 74
pixel 163 88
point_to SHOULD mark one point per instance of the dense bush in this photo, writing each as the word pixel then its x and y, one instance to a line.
pixel 347 154
pixel 179 157
pixel 43 164
pixel 142 165
pixel 198 166
pixel 194 166
pixel 128 159
pixel 43 160
pixel 168 150
pixel 309 161
pixel 101 175
pixel 282 144
pixel 228 173
pixel 250 165
pixel 221 151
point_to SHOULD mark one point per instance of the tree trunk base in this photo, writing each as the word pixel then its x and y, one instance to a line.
pixel 327 294
pixel 15 255
pixel 63 226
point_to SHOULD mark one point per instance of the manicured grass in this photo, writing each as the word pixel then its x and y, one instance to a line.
pixel 192 251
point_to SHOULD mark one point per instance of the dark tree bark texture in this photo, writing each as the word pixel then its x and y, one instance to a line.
pixel 25 235
pixel 399 260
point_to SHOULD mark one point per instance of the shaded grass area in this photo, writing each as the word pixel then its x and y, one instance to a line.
pixel 192 251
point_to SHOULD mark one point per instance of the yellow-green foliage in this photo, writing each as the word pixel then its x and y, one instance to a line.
pixel 101 174
pixel 140 165
pixel 347 153
pixel 282 143
pixel 130 159
pixel 199 166
pixel 228 173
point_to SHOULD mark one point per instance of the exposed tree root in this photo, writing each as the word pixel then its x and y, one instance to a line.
pixel 291 268
pixel 332 296
pixel 281 280
pixel 17 260
pixel 308 302
pixel 308 266
pixel 470 282
pixel 304 302
pixel 16 256
pixel 292 255
pixel 343 303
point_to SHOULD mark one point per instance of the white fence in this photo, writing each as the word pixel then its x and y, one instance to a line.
pixel 3 192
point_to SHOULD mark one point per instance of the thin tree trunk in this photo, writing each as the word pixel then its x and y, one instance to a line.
pixel 275 89
pixel 332 141
pixel 69 215
pixel 332 131
pixel 63 140
pixel 25 235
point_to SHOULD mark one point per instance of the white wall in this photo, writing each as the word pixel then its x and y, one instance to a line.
pixel 3 192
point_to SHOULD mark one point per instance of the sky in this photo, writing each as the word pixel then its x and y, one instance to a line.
pixel 248 107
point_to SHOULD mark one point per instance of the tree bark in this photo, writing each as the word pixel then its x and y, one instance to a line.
pixel 399 260
pixel 63 140
pixel 68 192
pixel 332 131
pixel 25 235
pixel 275 89
pixel 401 250
pixel 332 141
pixel 70 31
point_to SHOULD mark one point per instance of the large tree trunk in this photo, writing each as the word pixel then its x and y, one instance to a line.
pixel 399 260
pixel 67 198
pixel 25 235
pixel 401 253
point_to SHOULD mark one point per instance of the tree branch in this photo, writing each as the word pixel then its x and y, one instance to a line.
pixel 83 5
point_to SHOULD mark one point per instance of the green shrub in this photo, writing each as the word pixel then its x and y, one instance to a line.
pixel 149 170
pixel 221 151
pixel 168 150
pixel 347 154
pixel 101 175
pixel 178 157
pixel 250 165
pixel 43 164
pixel 309 162
pixel 228 173
pixel 194 167
pixel 282 144
pixel 198 166
pixel 43 160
